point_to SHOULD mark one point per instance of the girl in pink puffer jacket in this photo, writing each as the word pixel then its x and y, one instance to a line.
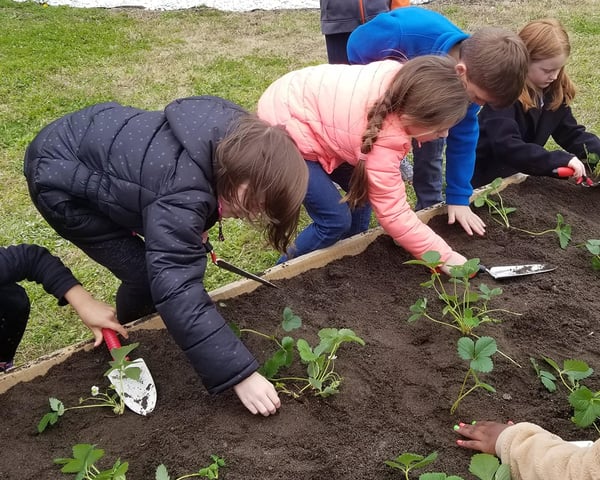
pixel 353 125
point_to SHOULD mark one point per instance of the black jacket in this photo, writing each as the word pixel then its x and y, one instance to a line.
pixel 36 264
pixel 512 140
pixel 151 172
pixel 343 16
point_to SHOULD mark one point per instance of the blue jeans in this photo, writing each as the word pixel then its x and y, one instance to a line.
pixel 332 220
pixel 427 176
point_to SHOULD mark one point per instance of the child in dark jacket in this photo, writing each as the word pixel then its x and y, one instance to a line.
pixel 340 17
pixel 35 263
pixel 512 140
pixel 136 190
pixel 492 64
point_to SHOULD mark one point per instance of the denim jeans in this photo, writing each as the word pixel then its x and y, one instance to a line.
pixel 427 176
pixel 332 220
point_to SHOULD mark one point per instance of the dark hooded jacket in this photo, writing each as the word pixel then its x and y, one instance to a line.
pixel 151 172
pixel 512 140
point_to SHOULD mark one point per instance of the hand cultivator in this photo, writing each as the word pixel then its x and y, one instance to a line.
pixel 584 181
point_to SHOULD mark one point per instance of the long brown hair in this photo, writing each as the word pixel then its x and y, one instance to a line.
pixel 497 62
pixel 266 159
pixel 547 38
pixel 428 90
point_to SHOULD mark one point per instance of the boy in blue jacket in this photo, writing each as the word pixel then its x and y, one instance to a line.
pixel 493 64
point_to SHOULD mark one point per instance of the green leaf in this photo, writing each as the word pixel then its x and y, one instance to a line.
pixel 577 369
pixel 412 460
pixel 305 351
pixel 503 472
pixel 484 466
pixel 466 348
pixel 438 476
pixel 161 473
pixel 290 321
pixel 485 346
pixel 586 405
pixel 56 405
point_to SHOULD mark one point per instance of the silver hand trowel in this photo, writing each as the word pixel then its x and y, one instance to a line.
pixel 511 271
pixel 139 395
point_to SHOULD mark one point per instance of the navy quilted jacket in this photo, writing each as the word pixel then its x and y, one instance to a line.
pixel 152 172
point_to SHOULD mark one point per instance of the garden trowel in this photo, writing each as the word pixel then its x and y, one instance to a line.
pixel 510 271
pixel 225 265
pixel 139 395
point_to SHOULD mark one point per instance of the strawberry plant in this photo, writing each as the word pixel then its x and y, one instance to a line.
pixel 498 209
pixel 321 379
pixel 479 355
pixel 85 457
pixel 108 399
pixel 585 402
pixel 495 207
pixel 593 246
pixel 83 464
pixel 465 305
pixel 483 465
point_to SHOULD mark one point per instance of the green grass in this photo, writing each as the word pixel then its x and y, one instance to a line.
pixel 54 60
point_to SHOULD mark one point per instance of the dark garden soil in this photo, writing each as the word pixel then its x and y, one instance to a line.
pixel 397 389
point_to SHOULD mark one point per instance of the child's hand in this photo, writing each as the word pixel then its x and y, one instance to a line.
pixel 94 314
pixel 577 166
pixel 454 259
pixel 469 221
pixel 481 436
pixel 258 395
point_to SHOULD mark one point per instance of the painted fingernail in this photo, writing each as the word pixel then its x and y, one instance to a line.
pixel 455 427
pixel 473 422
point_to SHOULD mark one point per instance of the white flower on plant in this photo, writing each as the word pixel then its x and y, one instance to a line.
pixel 95 390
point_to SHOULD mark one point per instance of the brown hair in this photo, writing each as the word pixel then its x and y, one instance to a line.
pixel 497 62
pixel 266 159
pixel 428 90
pixel 545 39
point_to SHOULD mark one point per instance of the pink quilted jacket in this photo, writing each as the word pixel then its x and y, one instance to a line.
pixel 324 108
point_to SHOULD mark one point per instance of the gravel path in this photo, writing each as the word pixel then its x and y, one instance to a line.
pixel 226 5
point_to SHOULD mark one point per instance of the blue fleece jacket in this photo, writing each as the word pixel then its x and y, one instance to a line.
pixel 409 32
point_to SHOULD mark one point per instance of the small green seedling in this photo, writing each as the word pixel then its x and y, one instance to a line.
pixel 562 231
pixel 466 305
pixel 108 399
pixel 495 207
pixel 487 467
pixel 593 246
pixel 211 471
pixel 83 465
pixel 406 462
pixel 322 379
pixel 483 465
pixel 585 402
pixel 479 354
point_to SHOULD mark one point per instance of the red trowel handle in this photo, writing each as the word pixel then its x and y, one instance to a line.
pixel 111 339
pixel 563 172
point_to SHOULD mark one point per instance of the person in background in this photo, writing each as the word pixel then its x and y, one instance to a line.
pixel 512 139
pixel 136 190
pixel 492 64
pixel 340 17
pixel 37 264
pixel 532 452
pixel 353 124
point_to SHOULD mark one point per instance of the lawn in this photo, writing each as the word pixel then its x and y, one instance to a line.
pixel 54 60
